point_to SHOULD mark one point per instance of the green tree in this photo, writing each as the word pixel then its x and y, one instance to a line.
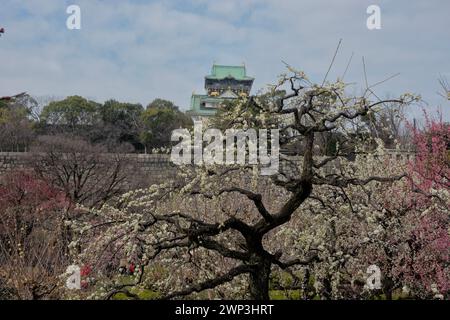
pixel 72 112
pixel 158 121
pixel 162 104
pixel 16 128
pixel 119 123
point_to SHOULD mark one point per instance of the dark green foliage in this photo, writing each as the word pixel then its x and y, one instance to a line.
pixel 113 123
pixel 159 120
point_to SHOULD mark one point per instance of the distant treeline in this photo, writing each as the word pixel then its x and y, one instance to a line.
pixel 123 126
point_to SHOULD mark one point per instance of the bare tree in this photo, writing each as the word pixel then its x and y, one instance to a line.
pixel 86 173
pixel 33 250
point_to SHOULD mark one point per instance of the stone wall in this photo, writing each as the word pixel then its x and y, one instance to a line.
pixel 13 160
pixel 153 167
pixel 156 167
pixel 159 168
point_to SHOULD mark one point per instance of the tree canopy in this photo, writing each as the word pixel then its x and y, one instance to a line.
pixel 71 112
pixel 159 120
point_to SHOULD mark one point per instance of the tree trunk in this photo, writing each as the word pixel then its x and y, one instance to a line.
pixel 388 287
pixel 259 281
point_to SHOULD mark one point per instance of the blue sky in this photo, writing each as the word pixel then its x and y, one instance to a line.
pixel 139 50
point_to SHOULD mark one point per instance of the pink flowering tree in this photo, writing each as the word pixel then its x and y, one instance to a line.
pixel 411 244
pixel 429 176
pixel 400 226
pixel 33 239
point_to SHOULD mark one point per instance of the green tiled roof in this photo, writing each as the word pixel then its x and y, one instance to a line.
pixel 219 73
pixel 196 108
pixel 222 72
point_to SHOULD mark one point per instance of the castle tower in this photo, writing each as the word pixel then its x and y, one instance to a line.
pixel 224 82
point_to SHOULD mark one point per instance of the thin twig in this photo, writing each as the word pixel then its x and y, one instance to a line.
pixel 365 73
pixel 332 62
pixel 348 65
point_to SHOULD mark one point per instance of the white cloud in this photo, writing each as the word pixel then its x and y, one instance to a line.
pixel 139 50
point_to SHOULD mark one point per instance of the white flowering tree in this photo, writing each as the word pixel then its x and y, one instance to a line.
pixel 224 230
